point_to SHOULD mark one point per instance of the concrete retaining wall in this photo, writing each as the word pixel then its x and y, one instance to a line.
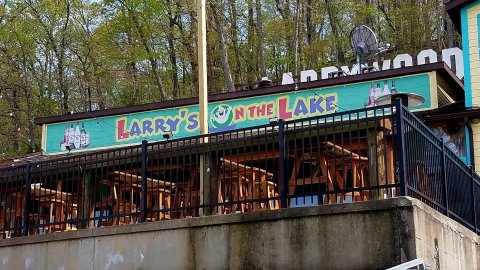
pixel 369 235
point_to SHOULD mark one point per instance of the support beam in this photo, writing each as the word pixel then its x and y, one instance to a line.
pixel 376 166
pixel 202 94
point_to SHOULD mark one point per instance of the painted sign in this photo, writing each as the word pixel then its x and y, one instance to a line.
pixel 401 60
pixel 225 115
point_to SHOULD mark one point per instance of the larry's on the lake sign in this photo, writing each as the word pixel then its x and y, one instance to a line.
pixel 225 115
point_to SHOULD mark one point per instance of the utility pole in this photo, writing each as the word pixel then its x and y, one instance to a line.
pixel 202 96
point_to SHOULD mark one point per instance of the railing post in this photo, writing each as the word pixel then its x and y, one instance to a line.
pixel 26 210
pixel 444 176
pixel 400 139
pixel 472 178
pixel 144 181
pixel 283 164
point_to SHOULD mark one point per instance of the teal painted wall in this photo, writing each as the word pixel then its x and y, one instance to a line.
pixel 226 115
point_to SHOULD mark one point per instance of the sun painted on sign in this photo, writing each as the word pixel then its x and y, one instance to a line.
pixel 225 115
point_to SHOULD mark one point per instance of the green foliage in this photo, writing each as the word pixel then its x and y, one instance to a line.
pixel 74 55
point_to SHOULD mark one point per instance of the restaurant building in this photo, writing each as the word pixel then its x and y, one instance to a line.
pixel 324 140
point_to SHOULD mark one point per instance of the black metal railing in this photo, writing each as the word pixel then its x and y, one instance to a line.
pixel 436 175
pixel 368 154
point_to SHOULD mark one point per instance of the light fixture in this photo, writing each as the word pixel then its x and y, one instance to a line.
pixel 273 121
pixel 168 135
pixel 264 82
pixel 69 147
pixel 410 100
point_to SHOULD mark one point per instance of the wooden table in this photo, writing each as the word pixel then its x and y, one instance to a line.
pixel 62 207
pixel 242 183
pixel 158 197
pixel 59 211
pixel 329 159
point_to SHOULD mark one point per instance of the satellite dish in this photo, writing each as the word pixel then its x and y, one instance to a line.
pixel 364 43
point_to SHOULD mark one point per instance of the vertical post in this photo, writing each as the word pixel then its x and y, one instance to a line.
pixel 444 176
pixel 376 165
pixel 144 181
pixel 87 202
pixel 207 188
pixel 400 140
pixel 283 164
pixel 202 66
pixel 26 210
pixel 202 92
pixel 472 178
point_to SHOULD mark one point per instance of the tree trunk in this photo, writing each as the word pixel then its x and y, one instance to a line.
pixel 148 50
pixel 450 36
pixel 188 41
pixel 29 113
pixel 297 38
pixel 234 33
pixel 308 18
pixel 62 85
pixel 61 58
pixel 261 49
pixel 173 58
pixel 335 32
pixel 369 20
pixel 97 88
pixel 252 69
pixel 132 76
pixel 16 119
pixel 227 74
pixel 283 7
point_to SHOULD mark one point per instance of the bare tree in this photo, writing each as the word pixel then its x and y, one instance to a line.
pixel 261 45
pixel 227 74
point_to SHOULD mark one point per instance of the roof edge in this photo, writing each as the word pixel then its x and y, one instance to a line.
pixel 440 67
pixel 453 9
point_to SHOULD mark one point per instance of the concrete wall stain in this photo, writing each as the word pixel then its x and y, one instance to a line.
pixel 367 235
pixel 113 258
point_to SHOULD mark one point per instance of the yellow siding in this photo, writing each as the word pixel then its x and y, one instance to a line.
pixel 44 137
pixel 433 90
pixel 476 145
pixel 475 77
pixel 474 53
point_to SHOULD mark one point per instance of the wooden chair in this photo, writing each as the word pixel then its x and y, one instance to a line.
pixel 127 213
pixel 186 195
pixel 358 167
pixel 265 191
pixel 241 183
pixel 158 199
pixel 231 193
pixel 334 162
